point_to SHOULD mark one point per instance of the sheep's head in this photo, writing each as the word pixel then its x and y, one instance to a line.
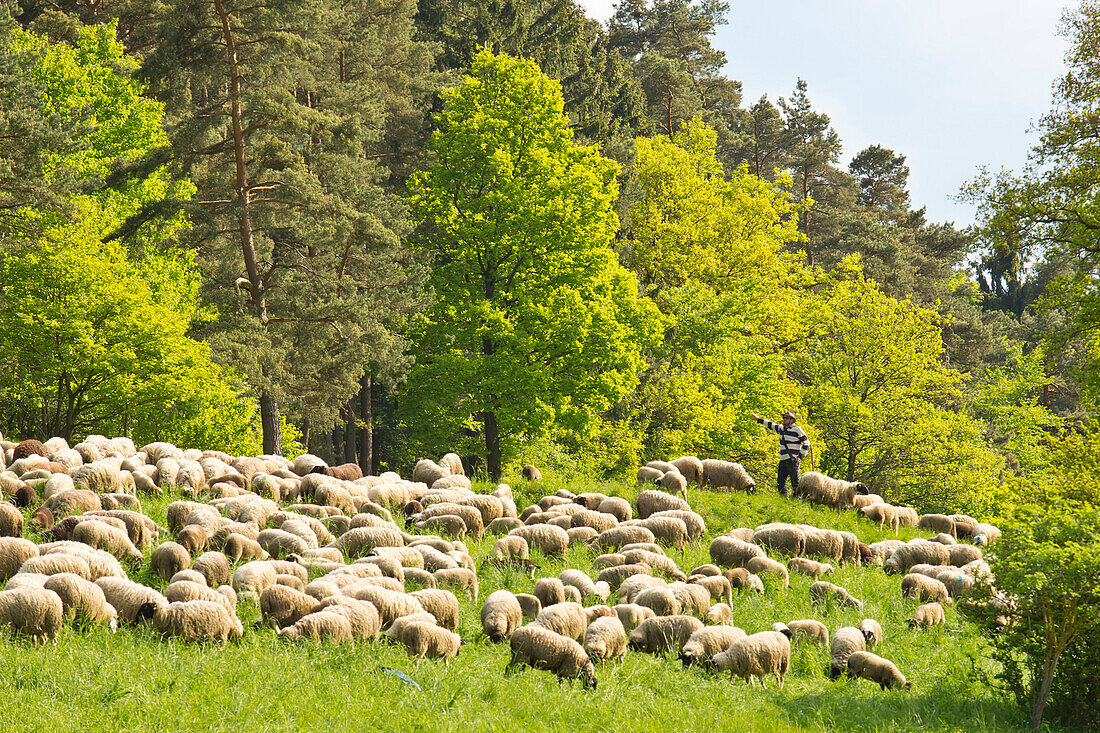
pixel 588 675
pixel 861 488
pixel 145 612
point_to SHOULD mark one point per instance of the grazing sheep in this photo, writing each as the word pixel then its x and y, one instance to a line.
pixel 428 641
pixel 501 614
pixel 986 534
pixel 617 537
pixel 846 641
pixel 14 551
pixel 873 667
pixel 170 558
pixel 529 604
pixel 811 629
pixel 565 618
pixel 363 616
pixel 729 552
pixel 54 563
pixel 959 555
pixel 726 476
pixel 707 642
pixel 821 591
pixel 945 539
pixel 719 613
pixel 818 488
pixel 214 566
pixel 82 599
pixel 823 542
pixel 938 523
pixel 28 448
pixel 530 473
pixel 930 614
pixel 458 578
pixel 440 603
pixel 74 501
pixel 631 614
pixel 924 588
pixel 673 482
pixel 605 638
pixel 546 538
pixel 651 501
pixel 810 568
pixel 660 599
pixel 718 586
pixel 659 634
pixel 36 612
pixel 237 547
pixel 593 519
pixel 583 583
pixel 691 468
pixel 757 655
pixel 128 597
pixel 363 541
pixel 321 625
pixel 617 507
pixel 541 648
pixel 863 500
pixel 872 631
pixel 114 540
pixel 282 606
pixel 786 538
pixel 764 564
pixel 914 553
pixel 884 514
pixel 11 520
pixel 667 529
pixel 694 599
pixel 647 475
pixel 696 525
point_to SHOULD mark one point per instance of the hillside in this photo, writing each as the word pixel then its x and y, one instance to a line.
pixel 134 680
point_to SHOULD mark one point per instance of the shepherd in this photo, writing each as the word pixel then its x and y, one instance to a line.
pixel 793 445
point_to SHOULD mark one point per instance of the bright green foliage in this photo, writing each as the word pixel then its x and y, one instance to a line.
pixel 95 337
pixel 1048 563
pixel 535 323
pixel 886 408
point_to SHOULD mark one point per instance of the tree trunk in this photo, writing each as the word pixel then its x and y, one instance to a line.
pixel 492 445
pixel 349 432
pixel 366 434
pixel 1039 696
pixel 269 420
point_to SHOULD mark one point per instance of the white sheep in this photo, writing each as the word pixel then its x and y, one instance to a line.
pixel 930 614
pixel 846 641
pixel 811 629
pixel 193 620
pixel 877 669
pixel 661 633
pixel 822 590
pixel 821 489
pixel 36 612
pixel 605 638
pixel 884 514
pixel 541 648
pixel 757 655
pixel 652 501
pixel 440 603
pixel 872 631
pixel 426 640
pixel 701 646
pixel 766 564
pixel 566 618
pixel 501 614
pixel 810 568
pixel 631 614
pixel 726 476
pixel 786 538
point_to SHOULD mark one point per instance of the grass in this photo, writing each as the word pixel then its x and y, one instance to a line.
pixel 92 680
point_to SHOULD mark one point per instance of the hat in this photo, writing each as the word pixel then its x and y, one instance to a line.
pixel 789 414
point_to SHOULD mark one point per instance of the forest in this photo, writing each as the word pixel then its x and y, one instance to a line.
pixel 377 230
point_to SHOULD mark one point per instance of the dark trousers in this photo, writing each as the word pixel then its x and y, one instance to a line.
pixel 788 468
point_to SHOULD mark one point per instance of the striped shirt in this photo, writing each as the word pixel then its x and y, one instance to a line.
pixel 793 442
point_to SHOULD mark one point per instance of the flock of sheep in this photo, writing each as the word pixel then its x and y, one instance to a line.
pixel 317 548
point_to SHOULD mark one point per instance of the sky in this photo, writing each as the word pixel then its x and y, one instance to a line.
pixel 950 84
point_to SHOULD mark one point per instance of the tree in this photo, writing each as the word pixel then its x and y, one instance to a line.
pixel 535 323
pixel 883 177
pixel 93 336
pixel 1048 563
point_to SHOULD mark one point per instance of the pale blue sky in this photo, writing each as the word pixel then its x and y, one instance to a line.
pixel 952 85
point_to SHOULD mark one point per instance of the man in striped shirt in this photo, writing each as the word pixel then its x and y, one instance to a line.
pixel 793 445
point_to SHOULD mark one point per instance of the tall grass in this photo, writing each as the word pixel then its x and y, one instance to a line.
pixel 133 680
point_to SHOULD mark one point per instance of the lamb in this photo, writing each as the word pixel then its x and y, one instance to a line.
pixel 605 638
pixel 726 476
pixel 26 448
pixel 82 600
pixel 924 588
pixel 930 614
pixel 673 482
pixel 546 538
pixel 718 586
pixel 616 537
pixel 728 551
pixel 661 633
pixel 811 629
pixel 884 514
pixel 426 640
pixel 945 539
pixel 691 468
pixel 873 667
pixel 763 564
pixel 821 489
pixel 440 603
pixel 128 597
pixel 821 591
pixel 938 523
pixel 872 631
pixel 651 501
pixel 846 641
pixel 169 558
pixel 501 614
pixel 541 648
pixel 810 568
pixel 14 551
pixel 786 538
pixel 757 655
pixel 707 642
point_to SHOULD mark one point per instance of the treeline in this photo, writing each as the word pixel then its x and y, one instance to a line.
pixel 346 228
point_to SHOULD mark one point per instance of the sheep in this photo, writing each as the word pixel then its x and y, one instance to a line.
pixel 872 631
pixel 944 539
pixel 546 538
pixel 728 551
pixel 617 507
pixel 924 588
pixel 661 633
pixel 651 501
pixel 459 578
pixel 959 555
pixel 756 655
pixel 930 614
pixel 846 641
pixel 54 563
pixel 440 603
pixel 128 597
pixel 810 568
pixel 605 638
pixel 660 599
pixel 726 476
pixel 884 514
pixel 193 620
pixel 14 551
pixel 615 576
pixel 99 563
pixel 786 538
pixel 691 468
pixel 707 569
pixel 103 536
pixel 616 537
pixel 281 606
pixel 391 605
pixel 763 564
pixel 914 553
pixel 873 667
pixel 142 530
pixel 426 640
pixel 694 599
pixel 719 613
pixel 26 448
pixel 37 612
pixel 363 540
pixel 393 633
pixel 880 551
pixel 705 643
pixel 696 525
pixel 82 599
pixel 647 475
pixel 823 542
pixel 964 525
pixel 214 566
pixel 321 625
pixel 11 520
pixel 26 496
pixel 821 489
pixel 667 529
pixel 595 612
pixel 986 534
pixel 593 519
pixel 864 500
pixel 74 501
pixel 530 473
pixel 529 604
pixel 501 614
pixel 543 649
pixel 186 590
pixel 363 616
pixel 938 523
pixel 821 591
pixel 238 547
pixel 503 525
pixel 169 558
pixel 718 586
pixel 565 618
pixel 583 583
pixel 811 629
pixel 673 482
